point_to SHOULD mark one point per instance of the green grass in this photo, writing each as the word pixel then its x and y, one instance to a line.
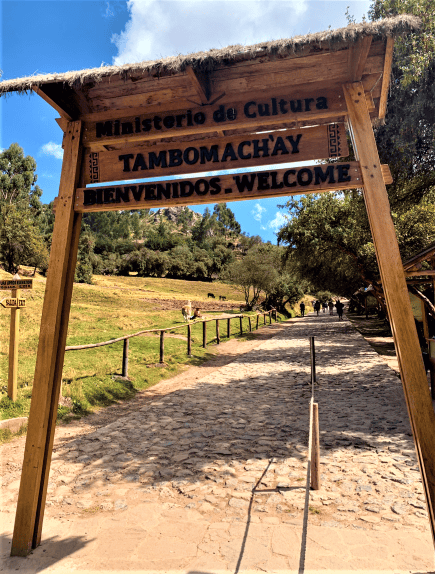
pixel 110 308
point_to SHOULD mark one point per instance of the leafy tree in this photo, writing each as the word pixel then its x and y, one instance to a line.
pixel 84 269
pixel 328 236
pixel 226 218
pixel 20 240
pixel 18 180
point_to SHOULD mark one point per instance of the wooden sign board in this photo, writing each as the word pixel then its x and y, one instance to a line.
pixel 223 188
pixel 417 306
pixel 8 284
pixel 284 146
pixel 269 108
pixel 13 303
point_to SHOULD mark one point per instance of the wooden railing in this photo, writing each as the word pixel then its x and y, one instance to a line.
pixel 162 332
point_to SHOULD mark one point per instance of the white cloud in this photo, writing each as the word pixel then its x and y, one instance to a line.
pixel 258 212
pixel 157 29
pixel 52 148
pixel 279 221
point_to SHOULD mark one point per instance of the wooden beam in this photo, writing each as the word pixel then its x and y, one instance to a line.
pixel 413 374
pixel 272 107
pixel 62 123
pixel 51 348
pixel 357 57
pixel 201 83
pixel 231 152
pixel 422 273
pixel 52 103
pixel 386 77
pixel 221 188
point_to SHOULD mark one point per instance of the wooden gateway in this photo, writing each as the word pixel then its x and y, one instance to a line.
pixel 268 104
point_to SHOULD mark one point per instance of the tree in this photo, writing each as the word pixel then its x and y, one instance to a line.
pixel 226 218
pixel 328 236
pixel 18 180
pixel 21 242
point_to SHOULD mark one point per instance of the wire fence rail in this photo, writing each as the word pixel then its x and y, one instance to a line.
pixel 272 313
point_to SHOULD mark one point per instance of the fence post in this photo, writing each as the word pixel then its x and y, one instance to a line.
pixel 250 326
pixel 125 359
pixel 258 317
pixel 264 318
pixel 204 334
pixel 162 346
pixel 217 332
pixel 189 340
pixel 270 317
pixel 228 328
pixel 241 324
pixel 315 449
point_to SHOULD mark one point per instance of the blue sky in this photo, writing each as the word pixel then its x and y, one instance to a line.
pixel 62 35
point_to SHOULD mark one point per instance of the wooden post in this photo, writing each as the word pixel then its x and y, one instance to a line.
pixel 13 349
pixel 264 318
pixel 258 317
pixel 50 357
pixel 189 340
pixel 315 449
pixel 250 326
pixel 228 328
pixel 204 334
pixel 162 346
pixel 125 359
pixel 414 380
pixel 217 332
pixel 241 324
pixel 270 317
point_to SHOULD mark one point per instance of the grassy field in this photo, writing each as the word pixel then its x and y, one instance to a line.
pixel 112 307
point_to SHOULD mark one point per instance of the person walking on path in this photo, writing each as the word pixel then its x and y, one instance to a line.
pixel 324 306
pixel 302 308
pixel 317 307
pixel 331 307
pixel 339 306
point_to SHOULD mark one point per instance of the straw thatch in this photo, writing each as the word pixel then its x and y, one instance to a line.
pixel 207 61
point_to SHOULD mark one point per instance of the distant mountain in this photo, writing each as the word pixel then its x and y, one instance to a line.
pixel 181 215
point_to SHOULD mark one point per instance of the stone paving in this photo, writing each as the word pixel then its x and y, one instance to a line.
pixel 211 477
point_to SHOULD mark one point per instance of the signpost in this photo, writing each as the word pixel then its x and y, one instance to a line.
pixel 14 303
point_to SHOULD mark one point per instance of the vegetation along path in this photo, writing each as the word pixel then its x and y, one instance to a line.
pixel 207 473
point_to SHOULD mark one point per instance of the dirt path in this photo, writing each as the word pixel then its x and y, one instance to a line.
pixel 206 472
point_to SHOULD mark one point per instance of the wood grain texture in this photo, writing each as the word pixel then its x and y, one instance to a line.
pixel 222 188
pixel 420 409
pixel 247 114
pixel 43 409
pixel 357 58
pixel 236 152
pixel 386 77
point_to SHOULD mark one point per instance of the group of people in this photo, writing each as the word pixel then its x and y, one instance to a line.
pixel 316 305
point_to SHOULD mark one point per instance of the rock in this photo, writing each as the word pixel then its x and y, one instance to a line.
pixel 120 505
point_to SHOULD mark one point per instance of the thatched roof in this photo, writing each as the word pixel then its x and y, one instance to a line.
pixel 207 61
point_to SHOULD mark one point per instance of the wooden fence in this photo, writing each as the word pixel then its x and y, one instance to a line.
pixel 162 332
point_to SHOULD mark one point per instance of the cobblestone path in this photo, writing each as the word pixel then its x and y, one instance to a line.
pixel 211 477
